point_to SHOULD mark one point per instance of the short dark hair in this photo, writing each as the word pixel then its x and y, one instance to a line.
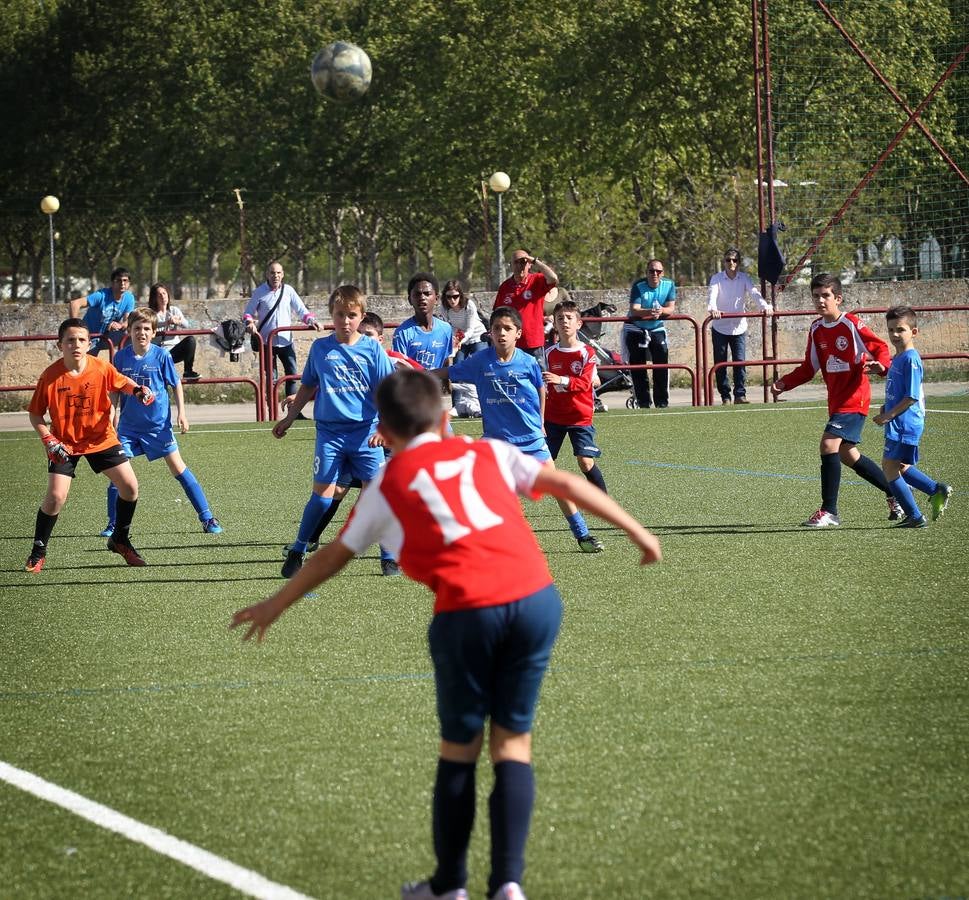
pixel 827 280
pixel 423 276
pixel 566 306
pixel 71 323
pixel 902 313
pixel 120 272
pixel 374 321
pixel 409 402
pixel 505 312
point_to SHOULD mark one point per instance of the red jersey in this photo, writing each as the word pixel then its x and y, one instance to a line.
pixel 528 298
pixel 570 403
pixel 840 349
pixel 448 510
pixel 79 404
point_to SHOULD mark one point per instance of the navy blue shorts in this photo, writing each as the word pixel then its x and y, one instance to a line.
pixel 583 438
pixel 490 661
pixel 846 426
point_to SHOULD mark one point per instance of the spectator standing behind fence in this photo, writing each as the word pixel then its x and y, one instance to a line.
pixel 644 334
pixel 530 293
pixel 171 318
pixel 727 293
pixel 107 311
pixel 461 313
pixel 274 304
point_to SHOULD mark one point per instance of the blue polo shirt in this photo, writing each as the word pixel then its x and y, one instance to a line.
pixel 644 296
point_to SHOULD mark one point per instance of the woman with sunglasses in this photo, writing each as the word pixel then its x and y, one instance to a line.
pixel 460 312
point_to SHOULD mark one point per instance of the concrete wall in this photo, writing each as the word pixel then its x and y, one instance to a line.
pixel 942 332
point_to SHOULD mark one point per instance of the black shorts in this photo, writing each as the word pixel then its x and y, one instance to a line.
pixel 99 462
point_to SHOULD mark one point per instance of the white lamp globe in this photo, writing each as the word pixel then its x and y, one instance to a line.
pixel 499 182
pixel 49 205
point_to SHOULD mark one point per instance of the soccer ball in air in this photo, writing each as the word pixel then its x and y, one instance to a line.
pixel 341 72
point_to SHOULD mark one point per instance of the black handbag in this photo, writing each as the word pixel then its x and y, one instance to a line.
pixel 254 340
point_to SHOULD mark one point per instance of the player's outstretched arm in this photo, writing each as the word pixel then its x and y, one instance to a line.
pixel 319 567
pixel 566 486
pixel 302 397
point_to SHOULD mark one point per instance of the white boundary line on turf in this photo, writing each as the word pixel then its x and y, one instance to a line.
pixel 215 867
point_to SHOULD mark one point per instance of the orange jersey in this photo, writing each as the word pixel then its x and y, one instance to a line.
pixel 79 404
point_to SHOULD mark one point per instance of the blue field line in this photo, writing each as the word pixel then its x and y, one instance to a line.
pixel 721 470
pixel 390 677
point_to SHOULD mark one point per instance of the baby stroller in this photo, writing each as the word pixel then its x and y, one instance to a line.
pixel 611 379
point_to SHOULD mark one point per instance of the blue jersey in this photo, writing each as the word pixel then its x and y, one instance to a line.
pixel 432 349
pixel 904 379
pixel 646 297
pixel 509 393
pixel 103 309
pixel 346 376
pixel 156 371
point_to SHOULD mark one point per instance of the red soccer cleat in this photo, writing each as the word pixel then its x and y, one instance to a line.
pixel 128 553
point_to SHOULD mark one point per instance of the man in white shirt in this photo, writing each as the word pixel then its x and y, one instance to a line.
pixel 275 305
pixel 728 292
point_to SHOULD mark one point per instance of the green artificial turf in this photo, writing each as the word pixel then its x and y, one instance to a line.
pixel 770 712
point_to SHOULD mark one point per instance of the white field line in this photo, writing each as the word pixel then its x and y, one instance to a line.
pixel 215 867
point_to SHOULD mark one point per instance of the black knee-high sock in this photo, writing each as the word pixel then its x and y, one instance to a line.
pixel 43 528
pixel 453 819
pixel 595 476
pixel 872 473
pixel 830 482
pixel 125 512
pixel 326 518
pixel 510 806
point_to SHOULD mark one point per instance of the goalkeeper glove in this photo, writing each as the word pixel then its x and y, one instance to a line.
pixel 145 395
pixel 57 451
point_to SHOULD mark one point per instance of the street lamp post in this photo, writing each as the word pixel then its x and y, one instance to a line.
pixel 499 183
pixel 49 205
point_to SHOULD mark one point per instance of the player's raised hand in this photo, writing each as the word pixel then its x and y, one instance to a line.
pixel 57 450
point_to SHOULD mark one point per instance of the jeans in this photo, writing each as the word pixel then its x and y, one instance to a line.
pixel 738 351
pixel 286 354
pixel 656 351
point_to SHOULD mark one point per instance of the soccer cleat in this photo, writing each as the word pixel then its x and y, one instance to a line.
pixel 212 526
pixel 940 499
pixel 510 890
pixel 895 511
pixel 294 562
pixel 35 562
pixel 589 543
pixel 421 890
pixel 191 376
pixel 108 530
pixel 390 568
pixel 821 519
pixel 311 547
pixel 907 522
pixel 128 553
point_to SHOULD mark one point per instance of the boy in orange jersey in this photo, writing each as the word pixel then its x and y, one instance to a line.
pixel 75 390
